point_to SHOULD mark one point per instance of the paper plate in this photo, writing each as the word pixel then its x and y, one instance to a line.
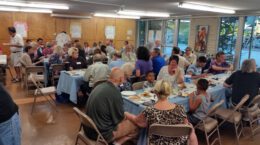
pixel 128 93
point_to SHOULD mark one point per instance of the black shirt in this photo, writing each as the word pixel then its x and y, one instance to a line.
pixel 105 108
pixel 78 63
pixel 7 106
pixel 242 84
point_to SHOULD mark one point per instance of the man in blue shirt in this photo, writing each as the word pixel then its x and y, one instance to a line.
pixel 117 61
pixel 158 61
pixel 195 70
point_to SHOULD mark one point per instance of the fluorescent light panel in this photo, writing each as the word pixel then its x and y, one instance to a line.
pixel 30 10
pixel 143 13
pixel 35 5
pixel 115 16
pixel 70 16
pixel 205 8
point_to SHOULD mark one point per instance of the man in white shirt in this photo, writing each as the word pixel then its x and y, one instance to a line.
pixel 16 47
pixel 97 71
pixel 183 63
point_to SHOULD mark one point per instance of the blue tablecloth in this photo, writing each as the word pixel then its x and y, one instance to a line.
pixel 70 85
pixel 217 93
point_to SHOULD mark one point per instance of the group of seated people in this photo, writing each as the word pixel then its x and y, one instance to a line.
pixel 107 72
pixel 105 103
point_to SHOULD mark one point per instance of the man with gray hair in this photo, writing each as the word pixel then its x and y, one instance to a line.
pixel 244 81
pixel 105 108
pixel 97 71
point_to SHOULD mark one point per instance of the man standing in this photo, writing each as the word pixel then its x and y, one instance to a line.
pixel 16 47
pixel 105 108
pixel 158 61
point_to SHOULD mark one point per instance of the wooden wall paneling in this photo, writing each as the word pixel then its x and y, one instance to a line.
pixel 36 25
pixel 100 29
pixel 62 24
pixel 50 31
pixel 6 20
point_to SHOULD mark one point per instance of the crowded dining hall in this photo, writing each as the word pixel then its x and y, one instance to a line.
pixel 129 72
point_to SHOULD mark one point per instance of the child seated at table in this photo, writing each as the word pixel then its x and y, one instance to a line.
pixel 199 102
pixel 150 80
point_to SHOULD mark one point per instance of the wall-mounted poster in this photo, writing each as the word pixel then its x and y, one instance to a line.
pixel 110 32
pixel 21 28
pixel 201 38
pixel 75 30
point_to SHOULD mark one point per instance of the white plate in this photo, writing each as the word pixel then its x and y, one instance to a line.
pixel 128 93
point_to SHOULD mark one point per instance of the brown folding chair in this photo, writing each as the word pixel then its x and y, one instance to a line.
pixel 43 91
pixel 233 116
pixel 177 130
pixel 56 68
pixel 138 86
pixel 209 125
pixel 87 121
pixel 33 70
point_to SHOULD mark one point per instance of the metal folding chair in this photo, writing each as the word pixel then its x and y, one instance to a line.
pixel 87 121
pixel 177 130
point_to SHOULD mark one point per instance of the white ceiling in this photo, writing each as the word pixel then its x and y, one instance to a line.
pixel 171 6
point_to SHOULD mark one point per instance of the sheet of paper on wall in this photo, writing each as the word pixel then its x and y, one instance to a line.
pixel 151 36
pixel 21 28
pixel 158 35
pixel 75 30
pixel 129 32
pixel 110 32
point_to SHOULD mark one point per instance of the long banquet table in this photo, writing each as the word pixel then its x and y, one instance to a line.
pixel 217 93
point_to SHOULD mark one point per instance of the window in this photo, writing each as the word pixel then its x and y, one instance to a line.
pixel 154 30
pixel 168 37
pixel 184 29
pixel 251 40
pixel 228 36
pixel 142 29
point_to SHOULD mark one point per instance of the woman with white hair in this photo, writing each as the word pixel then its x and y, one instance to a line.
pixel 244 81
pixel 128 69
pixel 75 61
pixel 166 113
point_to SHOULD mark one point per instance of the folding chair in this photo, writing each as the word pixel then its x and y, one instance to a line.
pixel 177 130
pixel 252 115
pixel 33 70
pixel 233 116
pixel 87 121
pixel 56 68
pixel 209 125
pixel 43 91
pixel 138 86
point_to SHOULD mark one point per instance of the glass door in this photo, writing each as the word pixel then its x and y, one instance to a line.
pixel 251 40
pixel 184 31
pixel 168 37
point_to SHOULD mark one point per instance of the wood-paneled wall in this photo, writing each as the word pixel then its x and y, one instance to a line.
pixel 46 27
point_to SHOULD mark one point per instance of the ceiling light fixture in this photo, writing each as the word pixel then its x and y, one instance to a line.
pixel 143 13
pixel 30 10
pixel 115 16
pixel 70 16
pixel 206 8
pixel 35 5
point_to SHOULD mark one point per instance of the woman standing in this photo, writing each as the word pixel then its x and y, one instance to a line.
pixel 143 63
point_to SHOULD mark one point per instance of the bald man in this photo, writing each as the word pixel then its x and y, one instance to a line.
pixel 105 108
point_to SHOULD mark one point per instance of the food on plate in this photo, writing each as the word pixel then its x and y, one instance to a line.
pixel 134 98
pixel 182 86
pixel 146 94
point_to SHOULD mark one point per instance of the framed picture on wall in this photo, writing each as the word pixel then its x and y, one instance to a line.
pixel 201 38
